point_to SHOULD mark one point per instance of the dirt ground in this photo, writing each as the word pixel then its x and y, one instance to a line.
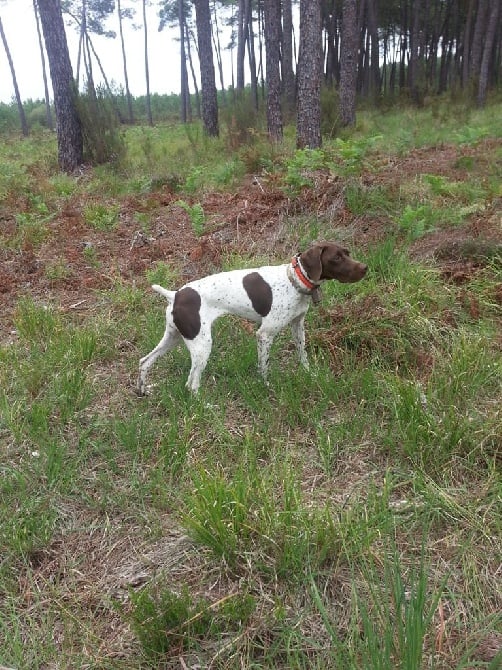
pixel 251 220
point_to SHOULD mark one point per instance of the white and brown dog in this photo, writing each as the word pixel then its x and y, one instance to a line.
pixel 273 296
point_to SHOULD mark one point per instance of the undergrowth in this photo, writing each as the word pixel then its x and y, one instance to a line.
pixel 345 517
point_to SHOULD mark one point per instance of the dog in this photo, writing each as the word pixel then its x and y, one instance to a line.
pixel 273 296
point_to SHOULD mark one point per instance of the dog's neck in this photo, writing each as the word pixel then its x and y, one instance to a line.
pixel 299 278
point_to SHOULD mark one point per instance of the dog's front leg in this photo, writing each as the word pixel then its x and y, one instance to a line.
pixel 298 333
pixel 264 341
pixel 200 349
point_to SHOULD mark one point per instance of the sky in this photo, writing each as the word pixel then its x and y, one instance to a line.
pixel 20 31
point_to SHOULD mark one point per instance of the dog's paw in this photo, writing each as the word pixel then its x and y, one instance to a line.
pixel 142 390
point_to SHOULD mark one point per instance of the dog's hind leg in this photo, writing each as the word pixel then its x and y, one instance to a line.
pixel 200 349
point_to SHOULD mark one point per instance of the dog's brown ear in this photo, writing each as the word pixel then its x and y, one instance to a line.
pixel 311 261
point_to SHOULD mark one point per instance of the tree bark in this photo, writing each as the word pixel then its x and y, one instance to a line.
pixel 308 129
pixel 69 129
pixel 272 9
pixel 288 75
pixel 207 76
pixel 466 43
pixel 478 40
pixel 348 63
pixel 487 52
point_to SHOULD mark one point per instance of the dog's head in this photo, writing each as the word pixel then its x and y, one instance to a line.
pixel 328 260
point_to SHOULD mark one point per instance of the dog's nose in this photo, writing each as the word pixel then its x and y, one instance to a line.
pixel 364 269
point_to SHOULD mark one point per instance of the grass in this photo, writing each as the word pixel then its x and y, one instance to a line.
pixel 346 517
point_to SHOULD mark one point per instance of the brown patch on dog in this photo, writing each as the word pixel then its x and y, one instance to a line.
pixel 331 261
pixel 186 312
pixel 259 292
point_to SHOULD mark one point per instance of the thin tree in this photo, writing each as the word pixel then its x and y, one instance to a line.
pixel 207 75
pixel 308 129
pixel 241 43
pixel 272 11
pixel 89 17
pixel 123 13
pixel 186 110
pixel 217 48
pixel 48 113
pixel 20 109
pixel 414 64
pixel 189 37
pixel 348 63
pixel 176 13
pixel 251 53
pixel 374 79
pixel 69 129
pixel 147 68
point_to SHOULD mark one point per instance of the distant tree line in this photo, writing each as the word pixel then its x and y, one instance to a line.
pixel 282 51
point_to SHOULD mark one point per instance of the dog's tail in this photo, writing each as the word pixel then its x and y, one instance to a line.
pixel 167 294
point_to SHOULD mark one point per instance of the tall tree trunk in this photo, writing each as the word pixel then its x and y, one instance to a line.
pixel 288 75
pixel 251 54
pixel 147 69
pixel 48 113
pixel 217 48
pixel 241 44
pixel 362 61
pixel 69 130
pixel 375 84
pixel 189 36
pixel 478 40
pixel 207 77
pixel 308 128
pixel 20 109
pixel 83 21
pixel 331 50
pixel 261 33
pixel 487 51
pixel 124 61
pixel 272 9
pixel 403 39
pixel 348 63
pixel 466 43
pixel 414 61
pixel 184 95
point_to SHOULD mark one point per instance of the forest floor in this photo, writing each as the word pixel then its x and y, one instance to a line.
pixel 118 525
